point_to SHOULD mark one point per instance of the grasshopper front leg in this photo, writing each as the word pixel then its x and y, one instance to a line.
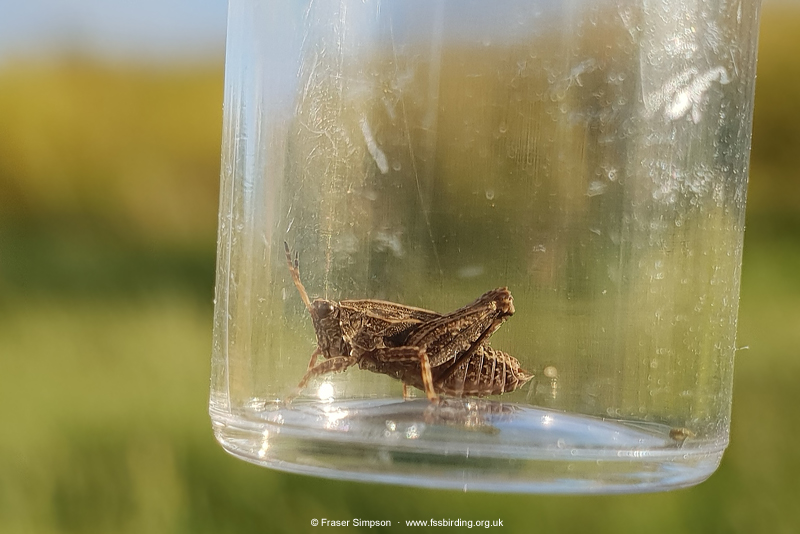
pixel 313 361
pixel 331 365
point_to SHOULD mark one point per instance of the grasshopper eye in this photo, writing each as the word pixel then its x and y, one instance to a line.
pixel 323 308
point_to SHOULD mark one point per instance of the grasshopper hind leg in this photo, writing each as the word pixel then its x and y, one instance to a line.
pixel 389 360
pixel 427 376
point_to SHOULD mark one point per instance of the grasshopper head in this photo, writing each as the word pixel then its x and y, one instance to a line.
pixel 325 316
pixel 323 309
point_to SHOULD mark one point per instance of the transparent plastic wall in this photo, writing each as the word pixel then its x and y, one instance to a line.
pixel 589 156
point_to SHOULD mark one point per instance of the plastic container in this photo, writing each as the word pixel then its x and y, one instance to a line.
pixel 591 157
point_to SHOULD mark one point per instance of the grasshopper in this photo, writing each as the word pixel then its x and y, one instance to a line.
pixel 437 353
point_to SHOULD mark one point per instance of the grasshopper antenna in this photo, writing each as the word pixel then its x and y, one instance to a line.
pixel 294 268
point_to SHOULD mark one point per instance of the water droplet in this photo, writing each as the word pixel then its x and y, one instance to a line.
pixel 595 188
pixel 490 194
pixel 470 271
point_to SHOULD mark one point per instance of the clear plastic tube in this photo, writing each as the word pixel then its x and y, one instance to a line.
pixel 591 157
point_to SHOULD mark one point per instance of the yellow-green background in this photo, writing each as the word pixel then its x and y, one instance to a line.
pixel 108 204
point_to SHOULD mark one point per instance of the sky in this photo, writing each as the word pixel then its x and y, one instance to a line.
pixel 141 30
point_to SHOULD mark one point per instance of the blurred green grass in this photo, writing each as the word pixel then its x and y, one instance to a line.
pixel 105 430
pixel 108 184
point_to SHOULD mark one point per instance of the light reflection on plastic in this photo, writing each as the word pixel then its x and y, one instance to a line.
pixel 633 454
pixel 336 420
pixel 337 415
pixel 264 445
pixel 325 392
pixel 547 420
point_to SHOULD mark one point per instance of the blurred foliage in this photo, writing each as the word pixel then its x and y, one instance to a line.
pixel 108 188
pixel 133 150
pixel 108 178
pixel 775 173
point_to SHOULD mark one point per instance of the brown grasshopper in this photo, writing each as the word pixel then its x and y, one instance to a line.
pixel 437 353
